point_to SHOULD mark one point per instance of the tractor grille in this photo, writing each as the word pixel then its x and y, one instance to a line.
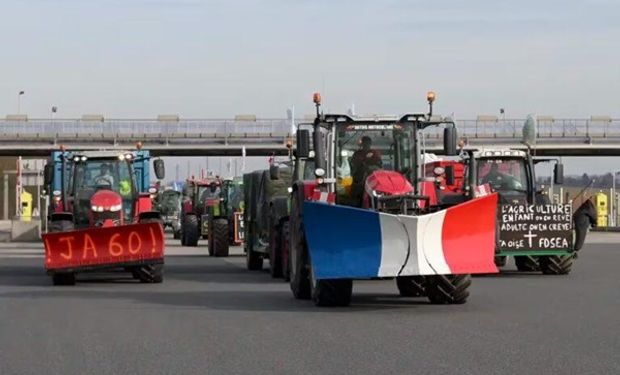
pixel 100 217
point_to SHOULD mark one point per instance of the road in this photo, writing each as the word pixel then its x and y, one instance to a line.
pixel 211 316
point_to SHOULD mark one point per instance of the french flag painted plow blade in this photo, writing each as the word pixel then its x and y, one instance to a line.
pixel 352 243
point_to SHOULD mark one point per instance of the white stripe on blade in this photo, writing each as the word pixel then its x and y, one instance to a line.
pixel 430 249
pixel 394 245
pixel 411 223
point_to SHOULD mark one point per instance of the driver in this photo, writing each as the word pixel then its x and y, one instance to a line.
pixel 365 157
pixel 498 179
pixel 104 178
pixel 362 162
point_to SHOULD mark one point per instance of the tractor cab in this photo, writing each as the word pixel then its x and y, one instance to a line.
pixel 508 172
pixel 102 188
pixel 375 161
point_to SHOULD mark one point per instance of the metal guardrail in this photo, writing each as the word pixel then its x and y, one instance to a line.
pixel 500 128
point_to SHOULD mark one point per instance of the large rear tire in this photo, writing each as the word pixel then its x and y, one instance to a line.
pixel 63 279
pixel 526 263
pixel 149 274
pixel 556 264
pixel 275 258
pixel 190 231
pixel 298 259
pixel 448 289
pixel 411 286
pixel 218 240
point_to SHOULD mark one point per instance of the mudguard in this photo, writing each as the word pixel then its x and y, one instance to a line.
pixel 353 243
pixel 103 246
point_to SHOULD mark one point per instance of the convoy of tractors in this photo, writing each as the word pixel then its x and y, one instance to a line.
pixel 357 198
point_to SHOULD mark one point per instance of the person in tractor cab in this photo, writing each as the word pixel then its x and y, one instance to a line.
pixel 104 178
pixel 365 158
pixel 363 162
pixel 499 180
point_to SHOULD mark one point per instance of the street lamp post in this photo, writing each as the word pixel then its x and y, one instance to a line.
pixel 19 101
pixel 612 200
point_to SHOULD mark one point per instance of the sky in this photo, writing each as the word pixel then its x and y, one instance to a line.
pixel 216 59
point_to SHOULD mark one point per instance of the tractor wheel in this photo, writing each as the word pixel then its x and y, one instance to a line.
pixel 298 260
pixel 218 239
pixel 526 263
pixel 275 258
pixel 63 278
pixel 190 231
pixel 411 286
pixel 448 289
pixel 501 261
pixel 61 226
pixel 150 274
pixel 284 250
pixel 556 264
pixel 253 260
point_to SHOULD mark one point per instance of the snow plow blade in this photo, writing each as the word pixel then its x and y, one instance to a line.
pixel 88 248
pixel 353 243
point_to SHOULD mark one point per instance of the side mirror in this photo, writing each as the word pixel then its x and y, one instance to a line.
pixel 450 175
pixel 274 172
pixel 449 141
pixel 48 174
pixel 558 174
pixel 303 143
pixel 160 169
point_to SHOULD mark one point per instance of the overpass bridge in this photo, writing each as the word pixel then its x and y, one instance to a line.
pixel 595 136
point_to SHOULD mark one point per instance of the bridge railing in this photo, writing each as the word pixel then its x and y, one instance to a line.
pixel 501 128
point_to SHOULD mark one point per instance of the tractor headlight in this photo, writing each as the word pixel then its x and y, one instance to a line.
pixel 97 208
pixel 289 189
pixel 439 171
pixel 56 193
pixel 116 208
pixel 152 190
pixel 319 172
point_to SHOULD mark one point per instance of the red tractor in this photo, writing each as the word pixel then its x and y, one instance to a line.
pixel 102 221
pixel 204 215
pixel 369 214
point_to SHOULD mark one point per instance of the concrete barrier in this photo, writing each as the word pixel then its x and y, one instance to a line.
pixel 25 231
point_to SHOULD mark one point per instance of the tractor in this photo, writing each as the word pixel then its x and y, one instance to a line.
pixel 204 214
pixel 540 235
pixel 101 219
pixel 169 205
pixel 368 213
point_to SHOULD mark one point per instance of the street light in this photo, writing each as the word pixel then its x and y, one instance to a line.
pixel 19 101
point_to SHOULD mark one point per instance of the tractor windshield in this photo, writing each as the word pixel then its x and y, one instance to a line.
pixel 364 148
pixel 170 202
pixel 95 174
pixel 503 174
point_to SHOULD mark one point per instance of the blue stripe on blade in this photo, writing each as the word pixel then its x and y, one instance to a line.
pixel 344 242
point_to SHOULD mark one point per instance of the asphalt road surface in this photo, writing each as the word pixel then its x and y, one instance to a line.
pixel 211 316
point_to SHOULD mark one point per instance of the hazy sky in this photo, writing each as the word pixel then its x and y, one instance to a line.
pixel 140 58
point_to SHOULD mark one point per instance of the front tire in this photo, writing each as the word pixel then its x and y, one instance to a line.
pixel 58 226
pixel 299 275
pixel 411 286
pixel 63 279
pixel 500 261
pixel 448 289
pixel 331 293
pixel 218 240
pixel 149 274
pixel 556 264
pixel 190 231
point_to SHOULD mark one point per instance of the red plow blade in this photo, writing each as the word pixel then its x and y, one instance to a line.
pixel 104 246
